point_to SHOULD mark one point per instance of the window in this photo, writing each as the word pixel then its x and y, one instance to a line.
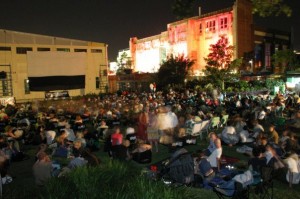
pixel 223 23
pixel 63 49
pixel 105 72
pixel 4 48
pixel 23 50
pixel 210 26
pixel 80 50
pixel 97 82
pixel 96 50
pixel 5 90
pixel 200 28
pixel 43 49
pixel 26 86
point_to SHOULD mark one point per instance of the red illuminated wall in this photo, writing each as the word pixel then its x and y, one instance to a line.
pixel 193 37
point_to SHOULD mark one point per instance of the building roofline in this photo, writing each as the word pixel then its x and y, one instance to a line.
pixel 229 9
pixel 42 35
pixel 271 30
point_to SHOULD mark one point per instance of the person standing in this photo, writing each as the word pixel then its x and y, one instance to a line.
pixel 143 124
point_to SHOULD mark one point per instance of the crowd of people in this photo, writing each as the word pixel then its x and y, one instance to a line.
pixel 132 125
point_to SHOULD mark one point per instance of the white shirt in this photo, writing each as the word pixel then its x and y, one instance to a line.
pixel 213 157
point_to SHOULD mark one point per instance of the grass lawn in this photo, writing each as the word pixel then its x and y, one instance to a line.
pixel 23 185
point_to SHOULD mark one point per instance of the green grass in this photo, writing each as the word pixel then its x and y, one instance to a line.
pixel 117 180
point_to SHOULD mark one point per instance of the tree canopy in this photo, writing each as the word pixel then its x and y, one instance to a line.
pixel 174 71
pixel 265 8
pixel 285 59
pixel 219 64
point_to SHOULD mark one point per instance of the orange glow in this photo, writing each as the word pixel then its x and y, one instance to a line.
pixel 184 37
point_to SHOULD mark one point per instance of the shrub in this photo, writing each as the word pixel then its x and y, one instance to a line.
pixel 113 180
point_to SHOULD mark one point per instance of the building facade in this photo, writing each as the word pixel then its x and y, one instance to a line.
pixel 19 51
pixel 192 38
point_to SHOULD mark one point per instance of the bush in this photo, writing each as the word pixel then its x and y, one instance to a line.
pixel 114 180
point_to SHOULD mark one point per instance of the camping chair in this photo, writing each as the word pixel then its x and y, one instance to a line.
pixel 238 192
pixel 224 120
pixel 265 187
pixel 196 129
pixel 179 169
pixel 204 128
pixel 215 122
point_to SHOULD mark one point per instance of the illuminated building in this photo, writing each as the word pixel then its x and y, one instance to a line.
pixel 192 38
pixel 25 56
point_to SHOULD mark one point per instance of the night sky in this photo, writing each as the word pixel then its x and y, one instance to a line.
pixel 113 21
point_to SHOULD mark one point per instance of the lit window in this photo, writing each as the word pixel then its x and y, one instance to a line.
pixel 4 48
pixel 63 49
pixel 96 50
pixel 43 49
pixel 23 50
pixel 200 27
pixel 80 50
pixel 210 26
pixel 105 72
pixel 223 23
pixel 97 82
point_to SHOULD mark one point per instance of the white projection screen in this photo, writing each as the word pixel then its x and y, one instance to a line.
pixel 56 70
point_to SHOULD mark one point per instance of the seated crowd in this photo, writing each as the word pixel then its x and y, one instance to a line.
pixel 131 126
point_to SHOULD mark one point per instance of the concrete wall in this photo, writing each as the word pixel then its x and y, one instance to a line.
pixel 97 63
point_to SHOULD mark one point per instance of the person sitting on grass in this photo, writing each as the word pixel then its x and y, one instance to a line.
pixel 293 165
pixel 143 153
pixel 215 156
pixel 257 128
pixel 116 137
pixel 273 135
pixel 229 135
pixel 212 146
pixel 257 161
pixel 42 169
pixel 77 161
pixel 205 171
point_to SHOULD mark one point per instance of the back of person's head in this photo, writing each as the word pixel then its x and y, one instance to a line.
pixel 264 141
pixel 41 156
pixel 256 152
pixel 77 153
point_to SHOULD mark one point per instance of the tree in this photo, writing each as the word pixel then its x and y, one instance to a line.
pixel 219 64
pixel 123 63
pixel 183 8
pixel 174 71
pixel 285 59
pixel 265 8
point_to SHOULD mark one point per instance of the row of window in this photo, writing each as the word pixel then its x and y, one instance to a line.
pixel 23 50
pixel 211 25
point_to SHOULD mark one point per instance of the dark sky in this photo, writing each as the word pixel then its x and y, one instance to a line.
pixel 112 21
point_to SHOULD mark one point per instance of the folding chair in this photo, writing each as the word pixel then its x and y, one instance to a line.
pixel 265 187
pixel 224 120
pixel 196 129
pixel 238 192
pixel 204 128
pixel 215 122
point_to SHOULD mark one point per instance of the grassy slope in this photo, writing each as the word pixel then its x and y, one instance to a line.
pixel 23 185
